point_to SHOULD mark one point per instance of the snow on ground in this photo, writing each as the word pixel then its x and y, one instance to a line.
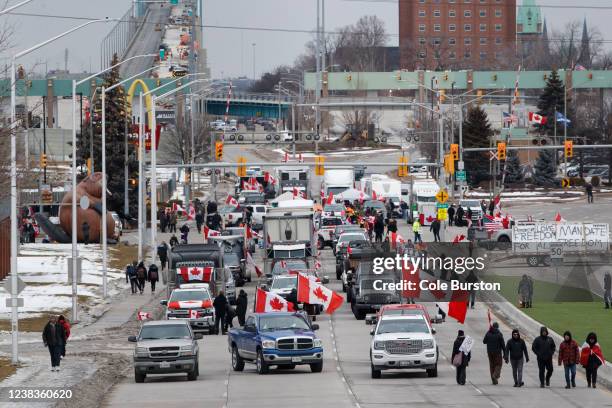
pixel 44 269
pixel 343 152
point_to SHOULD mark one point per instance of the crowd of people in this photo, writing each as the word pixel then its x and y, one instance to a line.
pixel 137 275
pixel 55 335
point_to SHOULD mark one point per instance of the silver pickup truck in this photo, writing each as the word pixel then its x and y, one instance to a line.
pixel 166 347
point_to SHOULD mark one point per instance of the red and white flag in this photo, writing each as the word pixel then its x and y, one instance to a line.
pixel 314 293
pixel 300 158
pixel 322 195
pixel 192 213
pixel 559 218
pixel 270 179
pixel 143 316
pixel 266 302
pixel 193 314
pixel 538 119
pixel 457 307
pixel 411 274
pixel 250 233
pixel 396 238
pixel 190 304
pixel 252 266
pixel 194 273
pixel 318 265
pixel 210 232
pixel 229 200
pixel 177 208
pixel 330 198
pixel 374 196
pixel 361 197
pixel 458 238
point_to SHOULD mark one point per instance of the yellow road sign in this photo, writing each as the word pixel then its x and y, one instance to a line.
pixel 565 183
pixel 442 214
pixel 442 196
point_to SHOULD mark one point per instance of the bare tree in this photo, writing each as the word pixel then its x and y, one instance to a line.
pixel 177 142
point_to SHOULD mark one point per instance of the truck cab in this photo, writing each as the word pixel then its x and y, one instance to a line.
pixel 276 339
pixel 366 297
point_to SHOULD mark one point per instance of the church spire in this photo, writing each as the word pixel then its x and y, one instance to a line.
pixel 585 47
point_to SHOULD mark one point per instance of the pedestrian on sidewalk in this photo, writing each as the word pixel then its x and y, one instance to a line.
pixel 459 359
pixel 54 337
pixel 569 356
pixel 141 275
pixel 451 214
pixel 416 229
pixel 459 217
pixel 220 305
pixel 64 322
pixel 184 234
pixel 496 350
pixel 607 290
pixel 130 275
pixel 523 291
pixel 173 221
pixel 589 191
pixel 173 241
pixel 163 220
pixel 516 349
pixel 162 253
pixel 471 278
pixel 379 227
pixel 544 348
pixel 241 306
pixel 153 276
pixel 435 228
pixel 591 358
pixel 199 218
pixel 230 313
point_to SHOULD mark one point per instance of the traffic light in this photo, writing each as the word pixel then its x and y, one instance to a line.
pixel 241 167
pixel 133 182
pixel 449 164
pixel 398 76
pixel 43 161
pixel 402 168
pixel 569 148
pixel 219 150
pixel 319 165
pixel 454 150
pixel 501 150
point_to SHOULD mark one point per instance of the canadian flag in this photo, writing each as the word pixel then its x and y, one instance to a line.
pixel 194 314
pixel 317 265
pixel 361 197
pixel 396 238
pixel 177 208
pixel 143 316
pixel 316 294
pixel 300 158
pixel 192 212
pixel 535 118
pixel 286 158
pixel 193 273
pixel 268 178
pixel 252 266
pixel 210 232
pixel 457 307
pixel 266 302
pixel 231 200
pixel 190 304
pixel 322 195
pixel 559 218
pixel 411 274
pixel 330 198
pixel 458 238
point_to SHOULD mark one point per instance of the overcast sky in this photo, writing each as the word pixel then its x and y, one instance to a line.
pixel 230 52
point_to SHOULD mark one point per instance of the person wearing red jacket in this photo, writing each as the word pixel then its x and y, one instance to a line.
pixel 64 322
pixel 569 354
pixel 591 358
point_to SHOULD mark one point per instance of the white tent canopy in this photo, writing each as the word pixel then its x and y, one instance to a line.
pixel 351 195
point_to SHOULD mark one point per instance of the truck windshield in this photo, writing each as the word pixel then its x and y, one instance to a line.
pixel 328 222
pixel 271 323
pixel 182 295
pixel 231 259
pixel 167 331
pixel 289 282
pixel 351 237
pixel 285 266
pixel 367 285
pixel 402 326
pixel 469 203
pixel 426 199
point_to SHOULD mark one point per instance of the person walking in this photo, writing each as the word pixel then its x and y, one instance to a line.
pixel 153 276
pixel 173 220
pixel 199 218
pixel 544 348
pixel 163 220
pixel 230 313
pixel 173 241
pixel 435 228
pixel 496 350
pixel 516 353
pixel 416 229
pixel 66 325
pixel 130 275
pixel 569 356
pixel 54 337
pixel 607 290
pixel 85 230
pixel 589 191
pixel 523 291
pixel 184 234
pixel 459 217
pixel 141 275
pixel 162 253
pixel 451 214
pixel 241 306
pixel 379 227
pixel 591 358
pixel 220 305
pixel 459 358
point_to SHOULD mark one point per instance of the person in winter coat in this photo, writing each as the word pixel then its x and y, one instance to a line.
pixel 184 233
pixel 162 253
pixel 544 348
pixel 54 337
pixel 607 290
pixel 130 275
pixel 392 227
pixel 461 370
pixel 591 358
pixel 496 350
pixel 220 305
pixel 459 217
pixel 64 322
pixel 173 241
pixel 435 228
pixel 416 229
pixel 241 307
pixel 569 355
pixel 141 275
pixel 153 276
pixel 516 349
pixel 379 227
pixel 173 221
pixel 451 214
pixel 199 220
pixel 523 291
pixel 230 313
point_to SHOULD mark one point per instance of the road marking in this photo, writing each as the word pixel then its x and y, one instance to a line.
pixel 477 389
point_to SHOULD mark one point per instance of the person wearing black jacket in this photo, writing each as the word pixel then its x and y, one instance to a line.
pixel 465 360
pixel 220 305
pixel 162 253
pixel 544 348
pixel 54 337
pixel 199 218
pixel 173 241
pixel 515 350
pixel 496 349
pixel 153 276
pixel 451 214
pixel 241 306
pixel 435 228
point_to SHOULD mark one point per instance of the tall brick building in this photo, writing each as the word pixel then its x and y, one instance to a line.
pixel 455 34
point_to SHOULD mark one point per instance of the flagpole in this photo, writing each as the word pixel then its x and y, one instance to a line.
pixel 565 123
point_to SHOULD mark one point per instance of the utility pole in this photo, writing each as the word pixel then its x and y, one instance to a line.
pixel 318 58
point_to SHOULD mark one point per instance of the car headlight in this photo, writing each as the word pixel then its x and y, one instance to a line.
pixel 379 345
pixel 317 343
pixel 268 344
pixel 141 351
pixel 428 344
pixel 187 351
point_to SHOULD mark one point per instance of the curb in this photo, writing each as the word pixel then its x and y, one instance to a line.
pixel 513 317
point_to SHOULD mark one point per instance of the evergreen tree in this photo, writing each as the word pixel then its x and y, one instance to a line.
pixel 545 169
pixel 116 107
pixel 552 100
pixel 477 132
pixel 513 168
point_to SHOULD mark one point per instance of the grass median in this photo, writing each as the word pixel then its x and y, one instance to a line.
pixel 564 308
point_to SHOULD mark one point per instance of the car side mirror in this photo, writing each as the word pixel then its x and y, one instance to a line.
pixel 372 332
pixel 198 336
pixel 325 280
pixel 315 327
pixel 132 339
pixel 438 318
pixel 163 302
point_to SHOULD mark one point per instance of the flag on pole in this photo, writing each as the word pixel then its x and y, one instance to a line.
pixel 143 316
pixel 537 119
pixel 266 302
pixel 314 293
pixel 559 218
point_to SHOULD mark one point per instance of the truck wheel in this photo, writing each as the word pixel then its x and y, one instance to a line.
pixel 533 261
pixel 433 372
pixel 193 374
pixel 375 373
pixel 503 243
pixel 138 377
pixel 262 366
pixel 316 367
pixel 359 315
pixel 237 361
